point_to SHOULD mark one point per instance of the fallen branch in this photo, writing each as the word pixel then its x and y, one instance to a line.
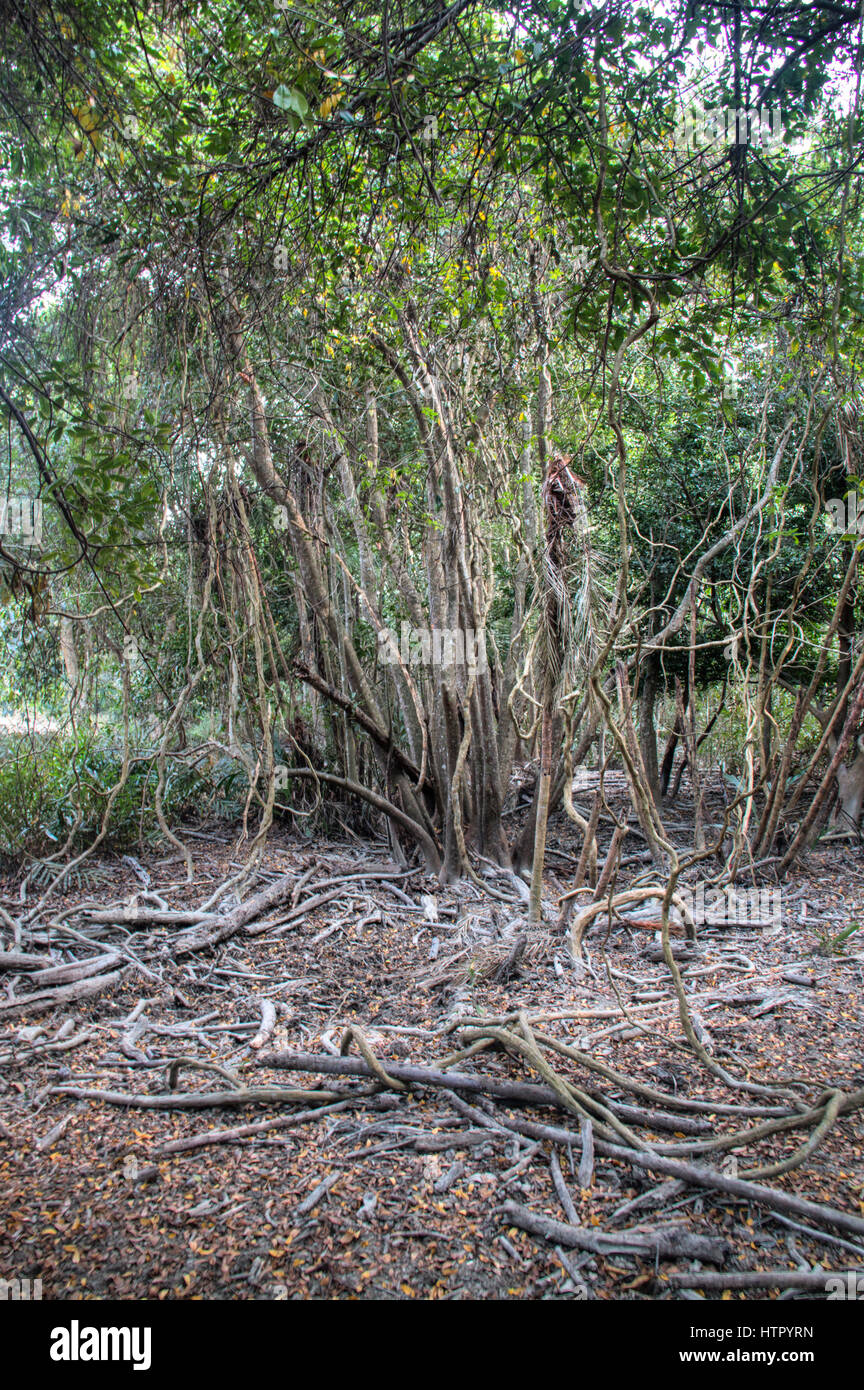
pixel 221 928
pixel 521 1092
pixel 759 1279
pixel 632 895
pixel 194 1100
pixel 18 960
pixel 441 1143
pixel 147 916
pixel 669 1244
pixel 294 916
pixel 561 1190
pixel 699 1177
pixel 268 1023
pixel 54 1133
pixel 75 970
pixel 310 1203
pixel 230 1136
pixel 52 998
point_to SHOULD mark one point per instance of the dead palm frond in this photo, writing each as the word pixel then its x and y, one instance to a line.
pixel 571 598
pixel 566 646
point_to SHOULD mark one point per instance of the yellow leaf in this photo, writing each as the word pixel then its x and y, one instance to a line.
pixel 329 104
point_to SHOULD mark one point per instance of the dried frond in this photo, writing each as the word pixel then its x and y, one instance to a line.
pixel 572 591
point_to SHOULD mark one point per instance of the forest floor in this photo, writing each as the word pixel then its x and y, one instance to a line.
pixel 402 1194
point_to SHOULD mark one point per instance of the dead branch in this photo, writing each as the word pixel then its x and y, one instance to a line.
pixel 53 998
pixel 669 1244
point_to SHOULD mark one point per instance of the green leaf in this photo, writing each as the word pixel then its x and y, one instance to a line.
pixel 290 99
